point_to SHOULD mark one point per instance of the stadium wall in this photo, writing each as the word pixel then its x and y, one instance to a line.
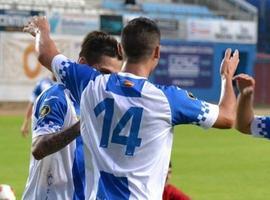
pixel 192 50
pixel 198 65
pixel 20 69
pixel 262 71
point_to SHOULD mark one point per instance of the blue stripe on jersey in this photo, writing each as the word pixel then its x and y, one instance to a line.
pixel 185 109
pixel 133 113
pixel 55 99
pixel 76 77
pixel 111 187
pixel 78 171
pixel 125 86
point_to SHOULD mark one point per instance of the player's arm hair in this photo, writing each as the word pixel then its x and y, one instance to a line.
pixel 244 112
pixel 227 104
pixel 47 144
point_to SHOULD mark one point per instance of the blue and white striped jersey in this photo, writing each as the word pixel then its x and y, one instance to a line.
pixel 60 175
pixel 41 85
pixel 260 126
pixel 127 129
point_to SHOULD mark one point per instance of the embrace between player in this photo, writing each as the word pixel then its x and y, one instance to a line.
pixel 126 121
pixel 61 175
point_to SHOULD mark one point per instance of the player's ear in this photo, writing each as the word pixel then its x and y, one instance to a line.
pixel 82 60
pixel 157 52
pixel 120 50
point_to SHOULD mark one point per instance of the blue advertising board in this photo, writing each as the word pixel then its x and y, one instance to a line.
pixel 14 20
pixel 195 66
pixel 188 65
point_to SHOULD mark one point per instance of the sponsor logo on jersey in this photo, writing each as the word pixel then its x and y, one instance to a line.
pixel 45 110
pixel 190 95
pixel 50 98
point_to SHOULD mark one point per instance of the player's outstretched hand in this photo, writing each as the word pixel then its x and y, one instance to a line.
pixel 229 63
pixel 30 28
pixel 245 84
pixel 37 24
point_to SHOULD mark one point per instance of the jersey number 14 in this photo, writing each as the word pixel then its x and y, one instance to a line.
pixel 133 113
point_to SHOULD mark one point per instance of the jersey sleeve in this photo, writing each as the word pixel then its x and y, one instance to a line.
pixel 186 109
pixel 50 115
pixel 73 75
pixel 260 126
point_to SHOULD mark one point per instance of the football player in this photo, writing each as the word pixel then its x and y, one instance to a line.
pixel 61 175
pixel 41 85
pixel 126 121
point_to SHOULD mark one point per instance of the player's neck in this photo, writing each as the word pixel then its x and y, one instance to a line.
pixel 139 69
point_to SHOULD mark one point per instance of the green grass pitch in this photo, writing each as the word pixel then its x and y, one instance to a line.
pixel 207 164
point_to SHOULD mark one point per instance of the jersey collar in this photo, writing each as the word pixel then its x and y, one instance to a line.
pixel 130 75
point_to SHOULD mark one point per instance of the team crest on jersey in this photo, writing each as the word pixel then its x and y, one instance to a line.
pixel 128 83
pixel 45 110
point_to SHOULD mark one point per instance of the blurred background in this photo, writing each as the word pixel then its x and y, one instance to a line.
pixel 195 34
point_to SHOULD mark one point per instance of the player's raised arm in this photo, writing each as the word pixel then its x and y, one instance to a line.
pixel 186 109
pixel 227 104
pixel 245 112
pixel 39 27
pixel 246 121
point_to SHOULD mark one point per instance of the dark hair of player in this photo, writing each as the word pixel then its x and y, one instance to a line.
pixel 139 39
pixel 97 44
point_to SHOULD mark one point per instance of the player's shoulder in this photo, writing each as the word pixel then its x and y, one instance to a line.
pixel 53 98
pixel 167 87
pixel 123 84
pixel 56 90
pixel 172 90
pixel 63 63
pixel 64 67
pixel 55 94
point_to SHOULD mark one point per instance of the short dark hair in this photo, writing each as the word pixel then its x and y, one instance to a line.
pixel 139 38
pixel 97 44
